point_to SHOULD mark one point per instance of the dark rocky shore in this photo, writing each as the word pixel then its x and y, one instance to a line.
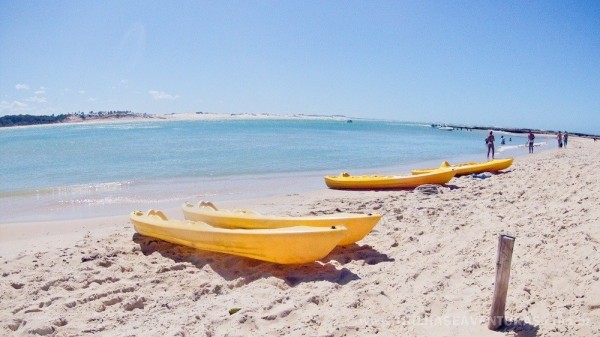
pixel 518 130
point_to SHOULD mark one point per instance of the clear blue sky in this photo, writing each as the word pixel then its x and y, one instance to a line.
pixel 504 63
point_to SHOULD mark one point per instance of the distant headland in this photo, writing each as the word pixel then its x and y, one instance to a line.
pixel 123 116
pixel 24 120
pixel 115 116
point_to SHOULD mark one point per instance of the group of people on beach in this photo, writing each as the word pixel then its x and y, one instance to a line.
pixel 562 138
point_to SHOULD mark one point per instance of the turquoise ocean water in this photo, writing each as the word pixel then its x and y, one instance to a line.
pixel 86 170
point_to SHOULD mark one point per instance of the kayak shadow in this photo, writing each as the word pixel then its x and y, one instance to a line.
pixel 354 252
pixel 244 270
pixel 399 189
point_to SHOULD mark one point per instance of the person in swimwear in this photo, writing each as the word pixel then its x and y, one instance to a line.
pixel 490 144
pixel 565 139
pixel 531 137
pixel 559 138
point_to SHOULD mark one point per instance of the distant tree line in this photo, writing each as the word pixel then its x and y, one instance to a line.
pixel 100 114
pixel 15 120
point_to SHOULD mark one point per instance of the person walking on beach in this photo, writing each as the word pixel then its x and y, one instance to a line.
pixel 531 137
pixel 490 144
pixel 565 139
pixel 559 138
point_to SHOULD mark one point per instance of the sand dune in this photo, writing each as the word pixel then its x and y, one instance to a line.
pixel 426 270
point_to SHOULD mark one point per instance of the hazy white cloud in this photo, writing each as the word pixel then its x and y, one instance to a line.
pixel 14 107
pixel 20 86
pixel 122 84
pixel 81 92
pixel 161 95
pixel 38 99
pixel 39 96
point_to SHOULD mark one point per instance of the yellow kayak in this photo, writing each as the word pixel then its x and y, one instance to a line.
pixel 471 167
pixel 290 245
pixel 357 225
pixel 346 181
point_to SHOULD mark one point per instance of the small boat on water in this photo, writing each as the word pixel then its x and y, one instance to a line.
pixel 357 225
pixel 289 245
pixel 470 167
pixel 443 127
pixel 347 181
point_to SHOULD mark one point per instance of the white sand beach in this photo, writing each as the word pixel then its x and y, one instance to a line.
pixel 427 269
pixel 191 116
pixel 234 116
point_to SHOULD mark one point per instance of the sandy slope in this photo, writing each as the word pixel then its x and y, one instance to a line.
pixel 426 270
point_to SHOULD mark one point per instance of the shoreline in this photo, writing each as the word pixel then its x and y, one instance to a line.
pixel 244 187
pixel 427 269
pixel 111 197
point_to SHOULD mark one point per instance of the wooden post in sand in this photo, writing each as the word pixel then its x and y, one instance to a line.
pixel 505 249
